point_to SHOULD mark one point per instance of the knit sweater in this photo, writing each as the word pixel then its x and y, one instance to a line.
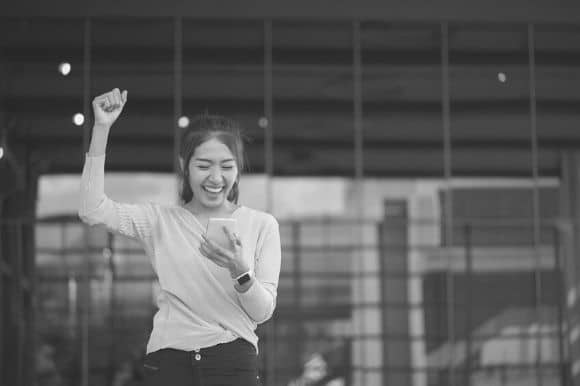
pixel 198 305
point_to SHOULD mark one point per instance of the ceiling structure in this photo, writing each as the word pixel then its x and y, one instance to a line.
pixel 407 70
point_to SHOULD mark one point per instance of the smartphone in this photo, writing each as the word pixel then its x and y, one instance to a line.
pixel 215 230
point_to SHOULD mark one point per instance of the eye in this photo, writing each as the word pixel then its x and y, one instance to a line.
pixel 228 167
pixel 202 167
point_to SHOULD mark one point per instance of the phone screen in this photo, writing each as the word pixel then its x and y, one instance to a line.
pixel 215 230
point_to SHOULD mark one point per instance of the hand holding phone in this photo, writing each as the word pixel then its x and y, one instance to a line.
pixel 216 233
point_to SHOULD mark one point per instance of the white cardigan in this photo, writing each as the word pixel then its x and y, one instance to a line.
pixel 198 304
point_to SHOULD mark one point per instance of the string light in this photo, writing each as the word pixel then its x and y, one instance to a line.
pixel 183 122
pixel 78 119
pixel 64 68
pixel 263 122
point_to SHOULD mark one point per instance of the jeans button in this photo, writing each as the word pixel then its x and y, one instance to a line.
pixel 197 357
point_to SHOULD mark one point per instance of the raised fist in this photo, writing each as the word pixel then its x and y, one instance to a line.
pixel 107 107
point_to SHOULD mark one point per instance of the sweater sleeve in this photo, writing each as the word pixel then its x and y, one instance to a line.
pixel 131 220
pixel 259 300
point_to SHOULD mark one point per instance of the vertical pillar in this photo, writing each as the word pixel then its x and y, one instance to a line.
pixel 17 209
pixel 448 196
pixel 17 205
pixel 367 329
pixel 569 238
pixel 270 374
pixel 367 347
pixel 535 204
pixel 397 365
pixel 85 289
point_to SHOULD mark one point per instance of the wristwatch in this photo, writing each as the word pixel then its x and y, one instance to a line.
pixel 244 278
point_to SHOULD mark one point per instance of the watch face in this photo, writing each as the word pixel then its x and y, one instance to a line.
pixel 244 279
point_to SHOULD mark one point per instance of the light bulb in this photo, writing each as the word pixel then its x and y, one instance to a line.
pixel 78 119
pixel 263 122
pixel 183 122
pixel 64 68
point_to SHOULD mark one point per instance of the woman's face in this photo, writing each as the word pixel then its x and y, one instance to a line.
pixel 212 173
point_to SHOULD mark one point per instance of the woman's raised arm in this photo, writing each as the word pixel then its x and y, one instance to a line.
pixel 95 207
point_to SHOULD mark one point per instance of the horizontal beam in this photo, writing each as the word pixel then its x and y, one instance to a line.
pixel 162 106
pixel 313 160
pixel 21 52
pixel 411 10
pixel 320 143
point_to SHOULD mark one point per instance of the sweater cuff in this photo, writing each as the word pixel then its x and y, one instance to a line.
pixel 257 302
pixel 252 292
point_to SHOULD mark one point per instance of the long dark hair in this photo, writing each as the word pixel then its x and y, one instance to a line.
pixel 201 129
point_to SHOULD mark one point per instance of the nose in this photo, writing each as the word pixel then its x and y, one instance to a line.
pixel 215 175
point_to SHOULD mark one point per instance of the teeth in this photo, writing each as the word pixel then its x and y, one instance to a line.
pixel 212 190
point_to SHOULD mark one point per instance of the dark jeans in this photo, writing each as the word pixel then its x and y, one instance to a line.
pixel 233 363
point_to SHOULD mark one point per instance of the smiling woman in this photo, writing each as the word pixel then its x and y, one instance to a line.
pixel 212 149
pixel 212 296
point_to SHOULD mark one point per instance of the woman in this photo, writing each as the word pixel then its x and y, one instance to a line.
pixel 212 297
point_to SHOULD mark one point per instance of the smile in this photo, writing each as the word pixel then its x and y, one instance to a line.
pixel 213 189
